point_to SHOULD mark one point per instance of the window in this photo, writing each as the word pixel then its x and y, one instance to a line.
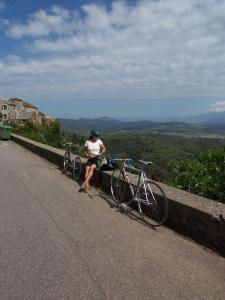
pixel 4 116
pixel 4 107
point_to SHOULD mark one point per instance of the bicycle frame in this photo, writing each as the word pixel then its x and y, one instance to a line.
pixel 142 178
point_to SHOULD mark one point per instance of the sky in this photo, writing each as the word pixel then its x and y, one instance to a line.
pixel 143 59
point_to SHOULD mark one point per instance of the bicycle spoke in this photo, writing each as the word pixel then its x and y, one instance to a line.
pixel 153 203
pixel 66 161
pixel 77 167
pixel 117 185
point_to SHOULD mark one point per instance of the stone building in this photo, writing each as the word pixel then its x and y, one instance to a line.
pixel 20 111
pixel 6 109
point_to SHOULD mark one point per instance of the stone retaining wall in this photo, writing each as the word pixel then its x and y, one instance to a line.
pixel 196 217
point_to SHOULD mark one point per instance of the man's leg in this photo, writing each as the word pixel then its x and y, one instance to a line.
pixel 87 168
pixel 90 174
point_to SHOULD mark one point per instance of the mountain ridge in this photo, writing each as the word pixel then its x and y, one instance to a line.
pixel 208 118
pixel 109 125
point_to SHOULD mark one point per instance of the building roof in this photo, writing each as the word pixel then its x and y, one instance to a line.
pixel 27 104
pixel 14 98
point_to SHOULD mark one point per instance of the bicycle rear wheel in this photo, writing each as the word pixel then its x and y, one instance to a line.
pixel 66 161
pixel 77 167
pixel 152 203
pixel 118 185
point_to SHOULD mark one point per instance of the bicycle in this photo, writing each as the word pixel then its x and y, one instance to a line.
pixel 72 160
pixel 149 196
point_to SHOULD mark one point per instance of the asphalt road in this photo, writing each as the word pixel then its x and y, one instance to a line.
pixel 56 243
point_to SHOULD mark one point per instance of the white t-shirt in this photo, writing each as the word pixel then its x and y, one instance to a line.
pixel 94 147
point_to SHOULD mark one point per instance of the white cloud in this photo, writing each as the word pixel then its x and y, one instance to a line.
pixel 218 107
pixel 42 23
pixel 163 48
pixel 4 23
pixel 2 5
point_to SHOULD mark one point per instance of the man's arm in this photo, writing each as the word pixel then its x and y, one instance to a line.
pixel 88 152
pixel 102 149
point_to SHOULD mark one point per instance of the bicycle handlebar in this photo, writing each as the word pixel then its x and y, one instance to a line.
pixel 122 159
pixel 127 162
pixel 145 162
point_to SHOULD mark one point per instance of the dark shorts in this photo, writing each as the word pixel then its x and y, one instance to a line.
pixel 91 161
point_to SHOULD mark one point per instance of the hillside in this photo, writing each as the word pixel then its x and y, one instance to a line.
pixel 160 149
pixel 108 125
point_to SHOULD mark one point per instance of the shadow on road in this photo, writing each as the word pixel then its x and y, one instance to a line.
pixel 131 213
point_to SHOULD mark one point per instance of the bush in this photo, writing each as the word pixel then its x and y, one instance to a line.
pixel 47 134
pixel 203 175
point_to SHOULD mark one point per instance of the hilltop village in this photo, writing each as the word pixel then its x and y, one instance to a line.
pixel 18 111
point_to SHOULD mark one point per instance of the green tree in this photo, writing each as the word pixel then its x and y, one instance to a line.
pixel 204 175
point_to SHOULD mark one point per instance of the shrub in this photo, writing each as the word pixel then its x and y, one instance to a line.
pixel 204 175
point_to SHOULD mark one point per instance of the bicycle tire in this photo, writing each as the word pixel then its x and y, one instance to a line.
pixel 118 185
pixel 66 161
pixel 152 203
pixel 77 167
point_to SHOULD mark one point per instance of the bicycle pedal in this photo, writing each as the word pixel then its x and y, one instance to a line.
pixel 123 206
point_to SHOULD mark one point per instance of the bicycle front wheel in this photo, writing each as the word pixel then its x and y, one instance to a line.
pixel 152 203
pixel 66 161
pixel 77 167
pixel 118 185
